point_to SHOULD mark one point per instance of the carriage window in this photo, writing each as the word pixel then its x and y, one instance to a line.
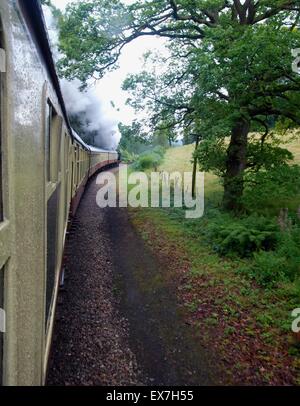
pixel 2 322
pixel 48 139
pixel 2 73
pixel 77 165
pixel 52 245
pixel 59 157
pixel 50 118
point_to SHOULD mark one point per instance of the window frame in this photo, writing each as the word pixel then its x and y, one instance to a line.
pixel 2 307
pixel 53 141
pixel 3 140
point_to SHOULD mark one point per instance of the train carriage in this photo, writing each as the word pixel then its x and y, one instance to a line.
pixel 44 167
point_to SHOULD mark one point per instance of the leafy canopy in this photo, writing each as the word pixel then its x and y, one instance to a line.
pixel 228 60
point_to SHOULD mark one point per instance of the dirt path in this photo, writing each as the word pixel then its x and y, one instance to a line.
pixel 119 322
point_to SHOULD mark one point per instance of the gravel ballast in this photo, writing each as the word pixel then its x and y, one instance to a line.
pixel 90 344
pixel 118 320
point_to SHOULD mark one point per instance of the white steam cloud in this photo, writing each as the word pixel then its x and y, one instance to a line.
pixel 99 116
pixel 96 113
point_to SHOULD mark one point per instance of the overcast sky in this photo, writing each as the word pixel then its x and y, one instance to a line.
pixel 109 88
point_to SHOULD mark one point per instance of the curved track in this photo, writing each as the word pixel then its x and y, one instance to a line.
pixel 118 323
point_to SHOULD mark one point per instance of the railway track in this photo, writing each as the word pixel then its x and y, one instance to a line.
pixel 118 322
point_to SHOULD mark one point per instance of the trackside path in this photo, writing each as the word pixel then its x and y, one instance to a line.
pixel 118 322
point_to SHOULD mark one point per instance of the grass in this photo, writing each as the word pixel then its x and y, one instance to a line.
pixel 294 147
pixel 180 159
pixel 266 313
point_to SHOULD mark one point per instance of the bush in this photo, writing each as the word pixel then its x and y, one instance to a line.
pixel 145 162
pixel 150 160
pixel 242 237
pixel 289 248
pixel 283 264
pixel 267 268
pixel 128 157
pixel 274 255
pixel 279 183
pixel 159 150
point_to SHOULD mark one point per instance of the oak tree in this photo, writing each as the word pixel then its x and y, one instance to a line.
pixel 232 65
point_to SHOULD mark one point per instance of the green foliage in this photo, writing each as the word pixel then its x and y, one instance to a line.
pixel 273 256
pixel 211 156
pixel 147 161
pixel 278 183
pixel 164 135
pixel 267 156
pixel 280 265
pixel 242 237
pixel 159 150
pixel 128 157
pixel 228 62
pixel 133 139
pixel 137 147
pixel 289 249
pixel 150 159
pixel 267 270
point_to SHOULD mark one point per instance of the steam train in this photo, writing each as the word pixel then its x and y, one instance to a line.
pixel 44 166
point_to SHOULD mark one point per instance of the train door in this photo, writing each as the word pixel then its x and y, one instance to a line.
pixel 53 191
pixel 66 176
pixel 72 180
pixel 5 223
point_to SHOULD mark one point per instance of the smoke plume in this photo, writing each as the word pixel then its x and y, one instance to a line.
pixel 93 118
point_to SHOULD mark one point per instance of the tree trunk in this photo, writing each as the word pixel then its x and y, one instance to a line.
pixel 235 166
pixel 195 169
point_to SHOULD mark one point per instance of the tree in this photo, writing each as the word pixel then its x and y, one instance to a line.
pixel 133 139
pixel 257 84
pixel 235 56
pixel 165 97
pixel 164 134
